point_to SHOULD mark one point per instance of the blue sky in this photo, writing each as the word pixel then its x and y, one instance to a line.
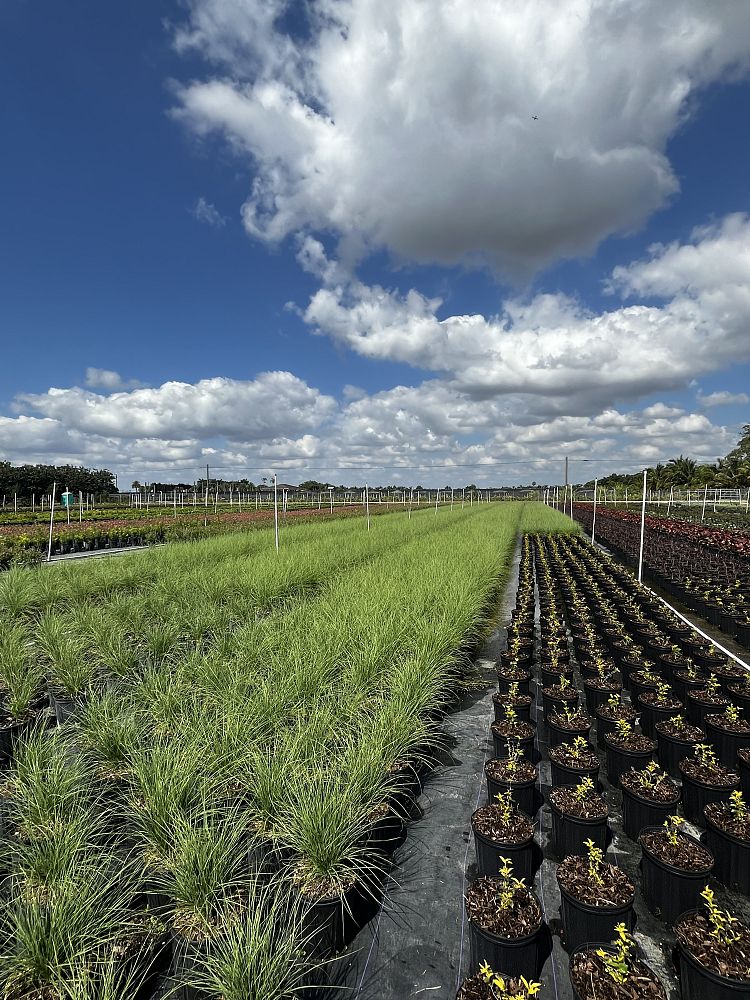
pixel 238 233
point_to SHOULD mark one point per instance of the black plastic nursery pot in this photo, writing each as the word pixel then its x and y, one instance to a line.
pixel 569 833
pixel 552 704
pixel 583 922
pixel 522 792
pixel 670 751
pixel 651 714
pixel 741 697
pixel 333 922
pixel 564 775
pixel 490 852
pixel 637 688
pixel 551 677
pixel 605 726
pixel 187 958
pixel 515 956
pixel 596 696
pixel 620 760
pixel 697 710
pixel 668 891
pixel 743 766
pixel 731 856
pixel 725 742
pixel 639 812
pixel 504 682
pixel 501 745
pixel 559 734
pixel 681 685
pixel 523 712
pixel 698 982
pixel 696 795
pixel 66 706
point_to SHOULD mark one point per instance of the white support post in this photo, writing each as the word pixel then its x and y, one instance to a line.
pixel 593 521
pixel 705 497
pixel 51 522
pixel 671 498
pixel 643 529
pixel 275 511
pixel 367 505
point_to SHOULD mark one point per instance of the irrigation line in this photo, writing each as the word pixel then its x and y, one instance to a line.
pixel 701 632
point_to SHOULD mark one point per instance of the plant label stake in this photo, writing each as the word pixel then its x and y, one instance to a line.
pixel 643 529
pixel 51 522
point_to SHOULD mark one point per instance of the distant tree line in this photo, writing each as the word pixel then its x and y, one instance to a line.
pixel 36 480
pixel 730 472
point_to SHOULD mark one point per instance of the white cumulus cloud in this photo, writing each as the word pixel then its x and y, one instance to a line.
pixel 486 131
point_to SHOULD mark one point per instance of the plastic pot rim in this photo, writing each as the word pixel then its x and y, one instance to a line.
pixel 683 872
pixel 589 907
pixel 503 843
pixel 726 981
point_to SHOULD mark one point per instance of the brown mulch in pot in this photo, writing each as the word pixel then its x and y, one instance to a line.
pixel 521 918
pixel 591 980
pixel 652 698
pixel 498 768
pixel 687 854
pixel 722 722
pixel 488 821
pixel 637 742
pixel 663 792
pixel 721 815
pixel 592 807
pixel 730 960
pixel 513 730
pixel 615 890
pixel 717 775
pixel 564 756
pixel 577 723
pixel 687 732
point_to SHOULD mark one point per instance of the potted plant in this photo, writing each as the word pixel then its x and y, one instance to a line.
pixel 513 674
pixel 598 687
pixel 505 920
pixel 675 738
pixel 520 702
pixel 512 730
pixel 566 724
pixel 688 679
pixel 608 715
pixel 579 814
pixel 558 697
pixel 728 838
pixel 713 947
pixel 626 748
pixel 21 679
pixel 642 681
pixel 612 972
pixel 595 895
pixel 674 868
pixel 490 985
pixel 500 831
pixel 705 701
pixel 648 797
pixel 656 706
pixel 704 780
pixel 729 732
pixel 515 773
pixel 572 761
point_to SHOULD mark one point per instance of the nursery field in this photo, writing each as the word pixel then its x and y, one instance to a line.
pixel 210 750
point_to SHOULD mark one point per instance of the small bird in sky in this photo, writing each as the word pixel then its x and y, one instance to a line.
pixel 535 118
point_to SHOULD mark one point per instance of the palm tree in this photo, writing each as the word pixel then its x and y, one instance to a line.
pixel 681 471
pixel 733 472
